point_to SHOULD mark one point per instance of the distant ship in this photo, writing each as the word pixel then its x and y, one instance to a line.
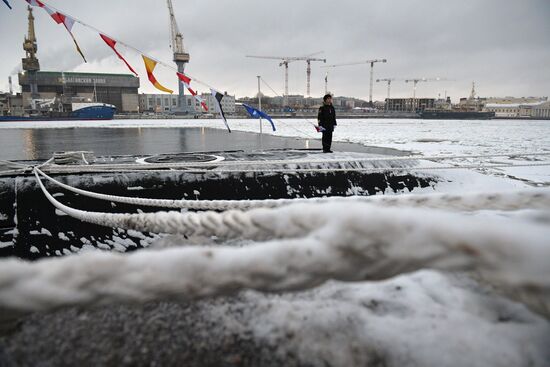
pixel 456 115
pixel 93 111
pixel 80 111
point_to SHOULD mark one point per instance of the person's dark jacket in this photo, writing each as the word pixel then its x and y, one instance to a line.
pixel 327 117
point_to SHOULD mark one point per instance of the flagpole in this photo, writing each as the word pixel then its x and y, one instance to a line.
pixel 260 108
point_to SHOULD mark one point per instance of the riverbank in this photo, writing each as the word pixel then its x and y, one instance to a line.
pixel 313 117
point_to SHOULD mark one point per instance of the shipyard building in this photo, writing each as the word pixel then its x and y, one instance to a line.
pixel 120 90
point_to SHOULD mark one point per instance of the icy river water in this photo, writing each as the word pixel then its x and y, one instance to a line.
pixel 38 140
pixel 36 143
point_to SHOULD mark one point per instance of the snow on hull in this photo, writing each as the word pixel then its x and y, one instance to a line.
pixel 423 319
pixel 35 213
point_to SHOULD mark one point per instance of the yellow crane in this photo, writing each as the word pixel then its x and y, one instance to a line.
pixel 181 58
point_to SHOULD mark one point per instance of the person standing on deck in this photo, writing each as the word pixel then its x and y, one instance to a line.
pixel 327 120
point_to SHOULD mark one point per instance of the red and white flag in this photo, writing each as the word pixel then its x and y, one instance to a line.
pixel 112 43
pixel 35 3
pixel 59 18
pixel 186 83
pixel 68 22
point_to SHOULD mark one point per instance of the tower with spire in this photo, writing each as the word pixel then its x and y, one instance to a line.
pixel 30 63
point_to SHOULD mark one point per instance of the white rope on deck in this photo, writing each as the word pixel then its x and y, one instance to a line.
pixel 13 164
pixel 534 198
pixel 230 224
pixel 313 244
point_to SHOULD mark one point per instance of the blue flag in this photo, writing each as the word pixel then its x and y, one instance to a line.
pixel 8 4
pixel 254 113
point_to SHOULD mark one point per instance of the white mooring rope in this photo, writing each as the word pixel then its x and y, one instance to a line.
pixel 310 245
pixel 533 198
pixel 13 164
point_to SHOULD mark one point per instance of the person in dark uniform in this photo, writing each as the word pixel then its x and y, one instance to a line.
pixel 327 120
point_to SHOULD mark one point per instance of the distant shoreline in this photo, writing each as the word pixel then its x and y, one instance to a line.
pixel 311 116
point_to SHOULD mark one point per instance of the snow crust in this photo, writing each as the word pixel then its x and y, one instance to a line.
pixel 405 321
pixel 422 319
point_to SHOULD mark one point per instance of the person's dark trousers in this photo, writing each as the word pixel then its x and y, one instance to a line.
pixel 327 140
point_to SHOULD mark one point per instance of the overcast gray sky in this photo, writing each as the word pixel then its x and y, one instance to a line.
pixel 503 45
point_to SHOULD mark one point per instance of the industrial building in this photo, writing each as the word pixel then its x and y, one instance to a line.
pixel 511 110
pixel 169 103
pixel 11 104
pixel 409 104
pixel 228 103
pixel 4 103
pixel 302 104
pixel 120 90
pixel 514 100
pixel 542 111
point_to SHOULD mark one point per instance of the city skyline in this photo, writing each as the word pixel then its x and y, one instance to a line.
pixel 502 47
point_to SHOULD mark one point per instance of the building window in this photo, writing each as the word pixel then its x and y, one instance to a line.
pixel 159 102
pixel 174 102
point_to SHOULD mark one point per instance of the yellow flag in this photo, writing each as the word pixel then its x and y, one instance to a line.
pixel 150 65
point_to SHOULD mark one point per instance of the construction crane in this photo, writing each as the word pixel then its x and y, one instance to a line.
pixel 371 62
pixel 308 61
pixel 389 81
pixel 180 56
pixel 415 82
pixel 287 60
